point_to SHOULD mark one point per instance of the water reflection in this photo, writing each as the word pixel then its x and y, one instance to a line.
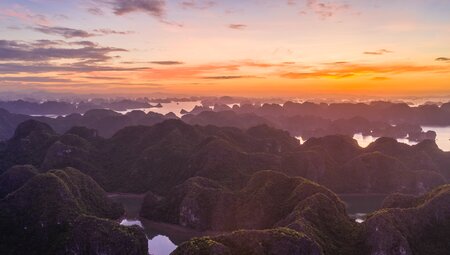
pixel 160 245
pixel 443 136
pixel 157 245
pixel 162 238
pixel 359 205
pixel 174 107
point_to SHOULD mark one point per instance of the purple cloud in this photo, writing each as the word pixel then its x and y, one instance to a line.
pixel 153 7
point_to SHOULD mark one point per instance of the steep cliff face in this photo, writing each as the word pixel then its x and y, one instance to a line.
pixel 413 225
pixel 379 173
pixel 14 178
pixel 92 235
pixel 280 241
pixel 45 215
pixel 418 226
pixel 203 204
pixel 269 200
pixel 158 158
pixel 29 145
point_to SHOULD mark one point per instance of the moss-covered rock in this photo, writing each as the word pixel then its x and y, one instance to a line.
pixel 280 241
pixel 422 227
pixel 28 145
pixel 269 199
pixel 43 215
pixel 91 235
pixel 378 173
pixel 14 178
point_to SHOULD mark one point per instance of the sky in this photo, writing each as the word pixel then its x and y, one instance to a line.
pixel 286 48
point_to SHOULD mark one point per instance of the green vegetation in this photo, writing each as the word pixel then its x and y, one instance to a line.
pixel 50 212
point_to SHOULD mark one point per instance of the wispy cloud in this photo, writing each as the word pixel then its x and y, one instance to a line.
pixel 347 70
pixel 95 11
pixel 107 31
pixel 231 77
pixel 443 59
pixel 68 33
pixel 324 9
pixel 166 63
pixel 155 8
pixel 237 26
pixel 63 31
pixel 37 68
pixel 377 52
pixel 33 79
pixel 21 51
pixel 210 71
pixel 198 4
pixel 25 15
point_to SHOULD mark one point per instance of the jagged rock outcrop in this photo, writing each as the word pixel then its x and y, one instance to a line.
pixel 157 158
pixel 269 200
pixel 29 145
pixel 50 211
pixel 339 148
pixel 92 235
pixel 280 241
pixel 424 156
pixel 378 173
pixel 14 178
pixel 418 226
pixel 413 225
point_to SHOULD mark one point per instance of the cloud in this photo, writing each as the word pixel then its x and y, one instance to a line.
pixel 103 78
pixel 167 63
pixel 84 43
pixel 189 71
pixel 237 26
pixel 14 68
pixel 33 52
pixel 68 33
pixel 380 78
pixel 25 15
pixel 106 31
pixel 208 71
pixel 95 11
pixel 377 52
pixel 347 70
pixel 226 77
pixel 198 4
pixel 54 43
pixel 443 59
pixel 63 31
pixel 155 8
pixel 33 79
pixel 323 9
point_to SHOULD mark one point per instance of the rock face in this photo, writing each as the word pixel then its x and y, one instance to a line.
pixel 29 144
pixel 418 226
pixel 14 178
pixel 50 211
pixel 379 173
pixel 204 204
pixel 314 120
pixel 317 226
pixel 106 122
pixel 269 200
pixel 92 235
pixel 158 158
pixel 280 241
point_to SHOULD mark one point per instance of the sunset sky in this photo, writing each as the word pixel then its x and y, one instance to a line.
pixel 232 47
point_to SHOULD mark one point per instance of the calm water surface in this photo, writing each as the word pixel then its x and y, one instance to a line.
pixel 162 238
pixel 157 244
pixel 442 139
pixel 359 205
pixel 166 108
